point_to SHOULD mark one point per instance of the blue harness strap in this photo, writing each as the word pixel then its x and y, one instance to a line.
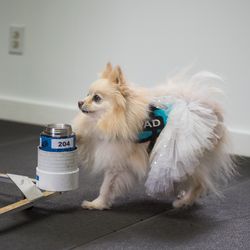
pixel 158 118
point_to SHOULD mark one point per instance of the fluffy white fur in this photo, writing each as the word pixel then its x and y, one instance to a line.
pixel 195 155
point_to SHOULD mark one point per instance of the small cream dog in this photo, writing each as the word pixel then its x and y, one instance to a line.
pixel 187 154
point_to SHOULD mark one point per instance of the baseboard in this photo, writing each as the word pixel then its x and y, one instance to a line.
pixel 33 112
pixel 41 113
pixel 240 142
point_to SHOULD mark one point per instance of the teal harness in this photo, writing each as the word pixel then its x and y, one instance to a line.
pixel 158 118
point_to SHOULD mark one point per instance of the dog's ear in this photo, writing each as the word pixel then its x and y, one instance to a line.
pixel 117 76
pixel 107 71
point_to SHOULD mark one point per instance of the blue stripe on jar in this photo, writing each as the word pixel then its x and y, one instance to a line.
pixel 46 143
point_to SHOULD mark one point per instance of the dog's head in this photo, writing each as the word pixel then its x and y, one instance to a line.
pixel 107 94
pixel 115 108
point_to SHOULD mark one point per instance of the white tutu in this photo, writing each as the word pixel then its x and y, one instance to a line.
pixel 179 147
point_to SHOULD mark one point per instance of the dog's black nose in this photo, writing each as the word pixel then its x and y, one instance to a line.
pixel 80 103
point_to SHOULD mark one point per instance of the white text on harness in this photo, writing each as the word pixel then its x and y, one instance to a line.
pixel 152 124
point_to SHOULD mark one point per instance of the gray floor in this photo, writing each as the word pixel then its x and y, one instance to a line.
pixel 135 222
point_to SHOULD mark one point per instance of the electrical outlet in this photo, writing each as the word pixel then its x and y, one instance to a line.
pixel 16 40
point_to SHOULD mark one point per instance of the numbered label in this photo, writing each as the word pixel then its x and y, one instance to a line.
pixel 62 143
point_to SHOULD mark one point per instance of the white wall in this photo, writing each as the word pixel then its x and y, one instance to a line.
pixel 68 42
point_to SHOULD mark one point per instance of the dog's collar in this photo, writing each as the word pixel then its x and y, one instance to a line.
pixel 152 127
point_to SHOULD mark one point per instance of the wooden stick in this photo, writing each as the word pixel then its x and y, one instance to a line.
pixel 25 203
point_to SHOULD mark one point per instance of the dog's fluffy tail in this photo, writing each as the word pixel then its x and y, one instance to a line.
pixel 194 143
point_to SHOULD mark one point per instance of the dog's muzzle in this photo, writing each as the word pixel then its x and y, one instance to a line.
pixel 80 104
pixel 82 108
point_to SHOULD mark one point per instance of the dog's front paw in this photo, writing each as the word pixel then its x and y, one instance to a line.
pixel 95 204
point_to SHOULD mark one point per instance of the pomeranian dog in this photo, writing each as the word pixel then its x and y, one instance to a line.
pixel 172 137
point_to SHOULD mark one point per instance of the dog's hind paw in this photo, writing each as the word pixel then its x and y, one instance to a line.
pixel 182 204
pixel 96 204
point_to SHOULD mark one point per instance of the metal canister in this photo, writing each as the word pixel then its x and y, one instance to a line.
pixel 57 138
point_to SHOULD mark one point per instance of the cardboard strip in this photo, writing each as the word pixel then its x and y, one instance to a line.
pixel 27 187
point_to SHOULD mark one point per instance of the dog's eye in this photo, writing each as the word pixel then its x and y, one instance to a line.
pixel 97 98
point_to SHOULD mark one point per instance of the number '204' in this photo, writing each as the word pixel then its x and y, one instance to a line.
pixel 63 144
